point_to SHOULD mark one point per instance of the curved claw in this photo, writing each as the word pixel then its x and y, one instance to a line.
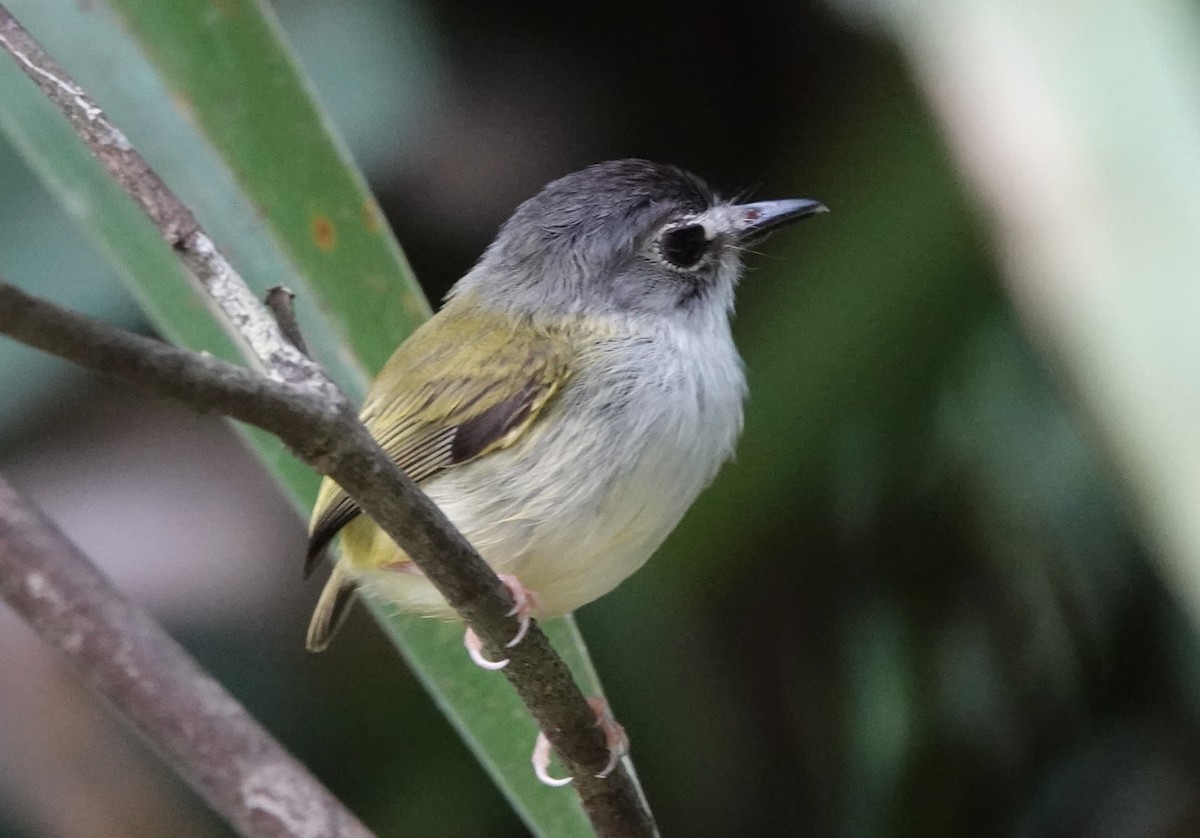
pixel 541 763
pixel 525 602
pixel 614 735
pixel 614 759
pixel 521 597
pixel 520 635
pixel 475 650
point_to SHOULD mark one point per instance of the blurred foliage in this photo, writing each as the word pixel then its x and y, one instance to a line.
pixel 917 604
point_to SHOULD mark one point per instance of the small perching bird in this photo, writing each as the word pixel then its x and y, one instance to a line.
pixel 576 392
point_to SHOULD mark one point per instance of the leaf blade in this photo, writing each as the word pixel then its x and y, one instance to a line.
pixel 239 178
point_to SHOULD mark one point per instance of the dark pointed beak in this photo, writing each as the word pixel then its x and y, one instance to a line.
pixel 760 218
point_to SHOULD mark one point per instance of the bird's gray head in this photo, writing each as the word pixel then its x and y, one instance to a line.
pixel 625 236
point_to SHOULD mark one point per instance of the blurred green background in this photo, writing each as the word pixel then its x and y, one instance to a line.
pixel 941 591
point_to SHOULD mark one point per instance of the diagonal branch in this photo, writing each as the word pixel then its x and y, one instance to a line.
pixel 300 405
pixel 173 219
pixel 203 382
pixel 122 654
pixel 335 443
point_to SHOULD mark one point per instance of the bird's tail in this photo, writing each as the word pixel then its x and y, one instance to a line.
pixel 331 611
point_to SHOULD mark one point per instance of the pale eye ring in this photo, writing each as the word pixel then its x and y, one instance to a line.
pixel 684 247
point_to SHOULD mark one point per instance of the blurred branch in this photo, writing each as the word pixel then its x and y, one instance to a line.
pixel 1078 133
pixel 310 414
pixel 230 761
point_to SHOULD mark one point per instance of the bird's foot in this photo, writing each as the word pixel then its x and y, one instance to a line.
pixel 614 737
pixel 525 603
pixel 475 650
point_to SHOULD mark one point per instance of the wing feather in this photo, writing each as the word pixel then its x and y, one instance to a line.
pixel 446 399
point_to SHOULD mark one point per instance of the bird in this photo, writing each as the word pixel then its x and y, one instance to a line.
pixel 575 393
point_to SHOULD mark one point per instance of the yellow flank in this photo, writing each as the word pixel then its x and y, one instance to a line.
pixel 361 547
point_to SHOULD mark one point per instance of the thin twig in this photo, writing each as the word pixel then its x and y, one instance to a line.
pixel 315 420
pixel 173 219
pixel 122 654
pixel 201 381
pixel 281 303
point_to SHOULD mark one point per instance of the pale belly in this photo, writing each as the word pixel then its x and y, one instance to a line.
pixel 576 507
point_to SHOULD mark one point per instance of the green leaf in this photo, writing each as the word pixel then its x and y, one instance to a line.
pixel 211 96
pixel 226 63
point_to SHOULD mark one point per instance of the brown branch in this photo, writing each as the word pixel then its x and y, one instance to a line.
pixel 309 414
pixel 204 383
pixel 186 716
pixel 173 219
pixel 335 443
pixel 281 303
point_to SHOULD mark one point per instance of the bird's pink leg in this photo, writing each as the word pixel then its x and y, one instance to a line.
pixel 614 737
pixel 525 603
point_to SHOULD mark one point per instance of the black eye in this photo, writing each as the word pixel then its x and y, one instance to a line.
pixel 684 246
